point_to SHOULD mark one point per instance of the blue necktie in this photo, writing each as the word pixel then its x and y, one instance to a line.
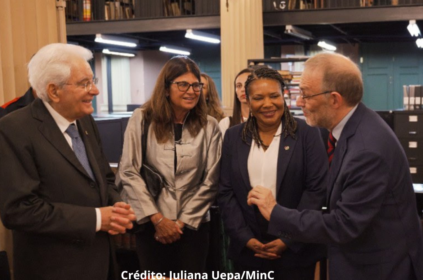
pixel 79 148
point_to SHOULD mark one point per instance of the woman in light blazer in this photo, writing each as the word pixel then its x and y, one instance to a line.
pixel 184 146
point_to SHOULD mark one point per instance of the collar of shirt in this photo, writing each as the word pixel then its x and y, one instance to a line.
pixel 337 130
pixel 61 122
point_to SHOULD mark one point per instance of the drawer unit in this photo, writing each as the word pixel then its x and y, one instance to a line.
pixel 408 124
pixel 408 127
pixel 413 148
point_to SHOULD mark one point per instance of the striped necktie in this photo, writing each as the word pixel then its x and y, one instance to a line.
pixel 331 147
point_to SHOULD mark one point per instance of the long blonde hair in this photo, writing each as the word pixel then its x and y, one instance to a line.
pixel 214 107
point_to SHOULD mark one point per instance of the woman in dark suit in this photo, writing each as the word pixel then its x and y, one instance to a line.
pixel 274 150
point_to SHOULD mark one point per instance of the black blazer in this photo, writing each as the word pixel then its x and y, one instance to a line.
pixel 301 173
pixel 48 199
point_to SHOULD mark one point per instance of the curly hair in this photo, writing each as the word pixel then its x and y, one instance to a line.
pixel 213 103
pixel 251 128
pixel 158 109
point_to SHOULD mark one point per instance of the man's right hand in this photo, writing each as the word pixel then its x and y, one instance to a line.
pixel 117 218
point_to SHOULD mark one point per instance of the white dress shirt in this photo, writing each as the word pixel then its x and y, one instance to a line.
pixel 262 165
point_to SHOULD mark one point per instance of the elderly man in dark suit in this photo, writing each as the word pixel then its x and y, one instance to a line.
pixel 371 228
pixel 56 186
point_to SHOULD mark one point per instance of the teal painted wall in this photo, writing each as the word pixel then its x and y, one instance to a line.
pixel 386 67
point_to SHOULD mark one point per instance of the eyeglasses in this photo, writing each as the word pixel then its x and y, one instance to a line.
pixel 305 97
pixel 88 85
pixel 184 86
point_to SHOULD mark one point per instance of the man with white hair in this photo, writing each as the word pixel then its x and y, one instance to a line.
pixel 57 188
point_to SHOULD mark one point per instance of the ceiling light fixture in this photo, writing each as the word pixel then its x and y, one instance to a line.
pixel 119 53
pixel 419 43
pixel 298 32
pixel 202 36
pixel 413 28
pixel 327 45
pixel 175 50
pixel 115 40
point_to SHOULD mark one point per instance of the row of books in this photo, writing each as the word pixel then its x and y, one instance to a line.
pixel 413 97
pixel 178 7
pixel 323 4
pixel 118 10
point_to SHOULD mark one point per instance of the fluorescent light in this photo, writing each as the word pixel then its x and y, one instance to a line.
pixel 413 28
pixel 119 53
pixel 326 45
pixel 115 40
pixel 298 32
pixel 419 43
pixel 202 36
pixel 175 50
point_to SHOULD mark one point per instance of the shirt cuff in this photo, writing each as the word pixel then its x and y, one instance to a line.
pixel 98 220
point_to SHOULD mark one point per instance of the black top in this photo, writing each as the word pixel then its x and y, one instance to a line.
pixel 178 135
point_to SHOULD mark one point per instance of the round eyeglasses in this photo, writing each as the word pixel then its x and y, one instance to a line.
pixel 88 85
pixel 184 86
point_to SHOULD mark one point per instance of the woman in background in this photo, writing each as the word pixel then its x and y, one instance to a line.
pixel 273 150
pixel 212 97
pixel 184 146
pixel 240 109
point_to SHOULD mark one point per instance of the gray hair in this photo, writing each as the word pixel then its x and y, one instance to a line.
pixel 52 64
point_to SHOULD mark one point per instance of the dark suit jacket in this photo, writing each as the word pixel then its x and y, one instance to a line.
pixel 48 199
pixel 372 230
pixel 301 172
pixel 18 102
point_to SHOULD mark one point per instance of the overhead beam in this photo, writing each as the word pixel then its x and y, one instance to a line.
pixel 142 25
pixel 351 15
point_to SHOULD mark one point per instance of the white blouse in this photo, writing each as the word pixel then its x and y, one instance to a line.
pixel 262 165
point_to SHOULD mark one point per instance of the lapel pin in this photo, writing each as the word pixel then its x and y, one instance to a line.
pixel 286 148
pixel 86 132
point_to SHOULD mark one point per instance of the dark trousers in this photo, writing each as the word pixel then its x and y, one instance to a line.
pixel 286 273
pixel 188 253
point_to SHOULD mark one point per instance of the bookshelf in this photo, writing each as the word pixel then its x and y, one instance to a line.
pixel 73 11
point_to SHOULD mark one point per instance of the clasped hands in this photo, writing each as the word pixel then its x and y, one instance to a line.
pixel 270 251
pixel 117 219
pixel 167 231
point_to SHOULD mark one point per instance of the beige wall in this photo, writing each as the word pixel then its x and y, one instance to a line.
pixel 25 26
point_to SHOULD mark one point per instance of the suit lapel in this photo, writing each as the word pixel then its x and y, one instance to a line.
pixel 49 129
pixel 342 147
pixel 286 148
pixel 243 150
pixel 91 158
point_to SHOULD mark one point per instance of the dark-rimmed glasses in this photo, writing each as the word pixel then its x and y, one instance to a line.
pixel 305 97
pixel 184 86
pixel 88 85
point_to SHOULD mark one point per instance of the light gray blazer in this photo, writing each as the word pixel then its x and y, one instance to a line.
pixel 190 190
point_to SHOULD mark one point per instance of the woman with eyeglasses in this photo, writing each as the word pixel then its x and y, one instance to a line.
pixel 274 150
pixel 184 146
